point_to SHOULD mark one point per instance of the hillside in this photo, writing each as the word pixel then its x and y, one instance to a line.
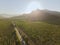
pixel 1 17
pixel 41 15
pixel 39 25
pixel 41 33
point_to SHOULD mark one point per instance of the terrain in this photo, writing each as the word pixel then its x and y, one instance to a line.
pixel 42 26
pixel 6 33
pixel 52 17
pixel 41 33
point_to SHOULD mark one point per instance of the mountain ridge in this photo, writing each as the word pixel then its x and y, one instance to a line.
pixel 41 15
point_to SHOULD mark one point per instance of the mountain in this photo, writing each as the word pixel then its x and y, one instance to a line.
pixel 4 16
pixel 1 17
pixel 41 15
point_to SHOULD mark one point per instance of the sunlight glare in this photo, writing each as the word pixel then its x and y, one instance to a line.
pixel 33 6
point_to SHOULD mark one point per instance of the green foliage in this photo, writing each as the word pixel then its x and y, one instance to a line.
pixel 41 33
pixel 6 33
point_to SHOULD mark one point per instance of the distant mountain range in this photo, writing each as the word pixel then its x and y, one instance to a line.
pixel 3 16
pixel 39 15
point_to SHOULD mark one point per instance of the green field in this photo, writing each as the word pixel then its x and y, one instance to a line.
pixel 6 33
pixel 40 32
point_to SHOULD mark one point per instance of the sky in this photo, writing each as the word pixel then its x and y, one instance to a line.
pixel 23 6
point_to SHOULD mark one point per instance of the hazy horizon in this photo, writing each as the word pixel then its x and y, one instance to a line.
pixel 25 6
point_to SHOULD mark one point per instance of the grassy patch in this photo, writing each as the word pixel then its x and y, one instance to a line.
pixel 41 33
pixel 6 33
